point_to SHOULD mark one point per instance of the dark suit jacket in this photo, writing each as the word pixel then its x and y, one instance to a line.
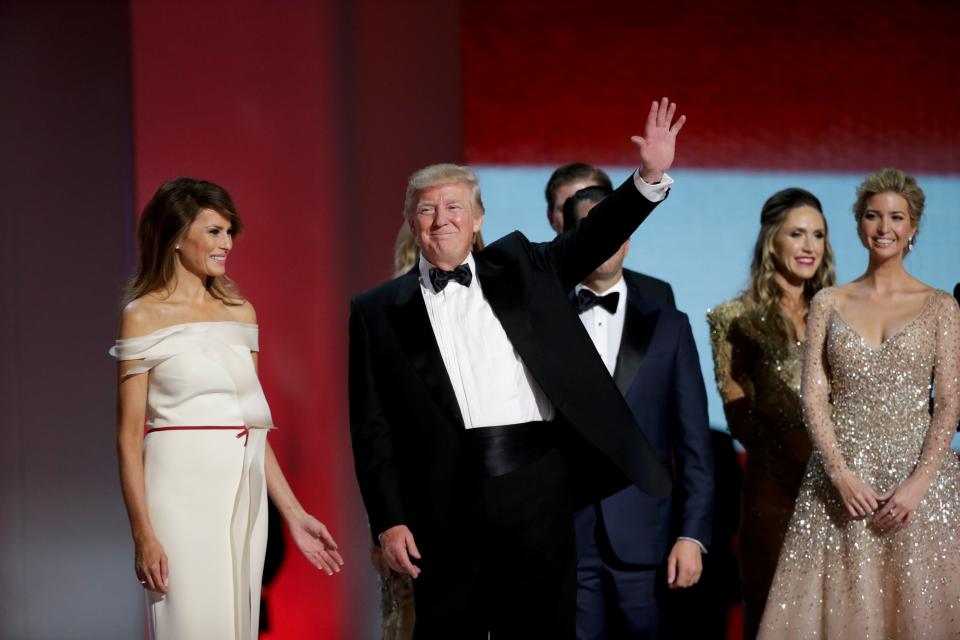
pixel 406 427
pixel 653 289
pixel 658 372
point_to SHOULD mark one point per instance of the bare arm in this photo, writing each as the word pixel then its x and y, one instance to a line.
pixel 310 535
pixel 150 561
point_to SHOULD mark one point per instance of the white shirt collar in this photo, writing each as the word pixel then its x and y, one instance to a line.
pixel 425 266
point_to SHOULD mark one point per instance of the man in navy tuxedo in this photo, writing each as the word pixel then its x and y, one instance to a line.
pixel 566 181
pixel 632 546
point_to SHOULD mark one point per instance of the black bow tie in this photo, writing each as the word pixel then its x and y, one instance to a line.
pixel 439 278
pixel 587 299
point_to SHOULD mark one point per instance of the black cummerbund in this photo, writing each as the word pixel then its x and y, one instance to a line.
pixel 505 448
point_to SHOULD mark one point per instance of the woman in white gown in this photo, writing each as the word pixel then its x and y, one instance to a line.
pixel 196 484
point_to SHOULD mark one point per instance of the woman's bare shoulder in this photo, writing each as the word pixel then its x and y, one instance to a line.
pixel 141 316
pixel 243 312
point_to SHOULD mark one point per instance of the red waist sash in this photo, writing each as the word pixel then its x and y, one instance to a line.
pixel 243 429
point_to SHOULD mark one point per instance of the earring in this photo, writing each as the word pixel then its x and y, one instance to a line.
pixel 910 242
pixel 176 248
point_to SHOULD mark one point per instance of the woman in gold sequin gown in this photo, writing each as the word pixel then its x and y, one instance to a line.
pixel 757 358
pixel 872 547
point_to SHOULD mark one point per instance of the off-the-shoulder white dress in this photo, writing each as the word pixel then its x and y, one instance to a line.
pixel 207 421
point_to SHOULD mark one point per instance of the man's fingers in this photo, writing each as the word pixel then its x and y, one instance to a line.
pixel 400 561
pixel 675 129
pixel 408 567
pixel 671 569
pixel 670 111
pixel 412 548
pixel 652 117
pixel 662 111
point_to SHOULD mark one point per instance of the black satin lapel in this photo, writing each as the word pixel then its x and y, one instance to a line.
pixel 638 328
pixel 412 325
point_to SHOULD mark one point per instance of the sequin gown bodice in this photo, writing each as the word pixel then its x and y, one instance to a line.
pixel 868 407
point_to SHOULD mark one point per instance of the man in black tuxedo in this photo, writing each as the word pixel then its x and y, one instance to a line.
pixel 478 405
pixel 566 181
pixel 631 546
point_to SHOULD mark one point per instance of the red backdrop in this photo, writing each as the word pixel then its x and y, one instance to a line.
pixel 241 93
pixel 838 86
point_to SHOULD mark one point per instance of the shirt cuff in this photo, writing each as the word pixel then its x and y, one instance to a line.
pixel 703 549
pixel 652 192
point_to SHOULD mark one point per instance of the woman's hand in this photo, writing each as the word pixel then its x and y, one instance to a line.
pixel 859 498
pixel 150 563
pixel 315 543
pixel 901 503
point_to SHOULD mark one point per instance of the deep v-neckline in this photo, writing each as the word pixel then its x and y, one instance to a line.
pixel 889 338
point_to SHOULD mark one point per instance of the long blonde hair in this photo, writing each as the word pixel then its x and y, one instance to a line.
pixel 165 220
pixel 763 292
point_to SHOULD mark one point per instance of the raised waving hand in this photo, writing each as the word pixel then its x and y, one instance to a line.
pixel 659 140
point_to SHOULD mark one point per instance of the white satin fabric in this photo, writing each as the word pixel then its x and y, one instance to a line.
pixel 206 491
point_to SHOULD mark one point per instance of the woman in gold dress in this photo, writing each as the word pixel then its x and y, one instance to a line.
pixel 757 356
pixel 871 551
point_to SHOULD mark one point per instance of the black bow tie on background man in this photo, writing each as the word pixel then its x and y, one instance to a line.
pixel 439 278
pixel 587 299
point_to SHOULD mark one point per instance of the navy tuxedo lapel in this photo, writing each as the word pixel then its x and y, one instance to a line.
pixel 639 323
pixel 415 334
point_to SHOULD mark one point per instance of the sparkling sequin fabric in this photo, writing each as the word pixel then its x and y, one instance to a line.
pixel 868 408
pixel 758 377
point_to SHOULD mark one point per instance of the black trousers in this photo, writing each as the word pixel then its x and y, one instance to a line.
pixel 512 573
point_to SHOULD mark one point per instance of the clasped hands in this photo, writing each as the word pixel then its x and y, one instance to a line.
pixel 893 509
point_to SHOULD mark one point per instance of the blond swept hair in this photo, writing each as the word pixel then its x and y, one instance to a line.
pixel 436 175
pixel 899 183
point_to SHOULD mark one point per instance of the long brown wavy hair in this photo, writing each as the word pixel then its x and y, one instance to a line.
pixel 165 220
pixel 763 292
